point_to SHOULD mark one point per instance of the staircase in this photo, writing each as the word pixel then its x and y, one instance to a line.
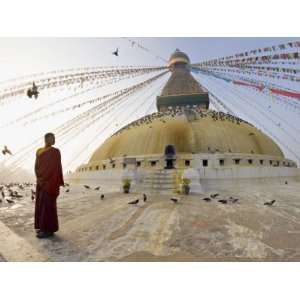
pixel 159 181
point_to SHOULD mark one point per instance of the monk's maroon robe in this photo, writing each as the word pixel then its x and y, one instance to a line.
pixel 49 175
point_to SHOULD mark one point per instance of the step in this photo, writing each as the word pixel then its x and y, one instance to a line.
pixel 159 180
pixel 158 185
pixel 147 190
pixel 159 175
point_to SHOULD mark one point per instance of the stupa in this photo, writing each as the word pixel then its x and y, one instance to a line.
pixel 185 141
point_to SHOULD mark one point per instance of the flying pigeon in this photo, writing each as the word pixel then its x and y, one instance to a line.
pixel 6 151
pixel 33 91
pixel 116 53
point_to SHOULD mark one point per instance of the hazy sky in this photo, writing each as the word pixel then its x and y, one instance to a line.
pixel 21 56
pixel 30 55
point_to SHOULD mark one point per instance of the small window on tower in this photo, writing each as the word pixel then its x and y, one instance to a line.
pixel 153 163
pixel 204 162
pixel 237 161
pixel 250 161
pixel 221 161
pixel 187 163
pixel 138 163
pixel 113 166
pixel 104 167
pixel 271 162
pixel 97 167
pixel 261 162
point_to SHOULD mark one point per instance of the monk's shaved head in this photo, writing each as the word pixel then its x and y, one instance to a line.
pixel 49 139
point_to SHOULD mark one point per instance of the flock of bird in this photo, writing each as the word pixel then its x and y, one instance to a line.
pixel 14 191
pixel 176 200
pixel 230 200
pixel 196 112
pixel 215 196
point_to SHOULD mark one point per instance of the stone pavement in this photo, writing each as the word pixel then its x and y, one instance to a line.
pixel 92 229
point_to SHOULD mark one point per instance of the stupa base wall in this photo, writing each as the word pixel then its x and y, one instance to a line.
pixel 111 179
pixel 202 180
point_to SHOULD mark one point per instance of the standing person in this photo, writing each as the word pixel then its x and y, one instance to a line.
pixel 49 178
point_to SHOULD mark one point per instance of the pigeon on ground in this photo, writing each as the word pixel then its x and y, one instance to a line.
pixel 134 201
pixel 97 188
pixel 207 199
pixel 87 187
pixel 18 196
pixel 32 198
pixel 102 196
pixel 270 203
pixel 10 201
pixel 214 195
pixel 67 191
pixel 174 200
pixel 144 197
pixel 235 200
pixel 222 201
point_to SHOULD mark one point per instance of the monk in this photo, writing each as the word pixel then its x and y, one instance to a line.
pixel 49 177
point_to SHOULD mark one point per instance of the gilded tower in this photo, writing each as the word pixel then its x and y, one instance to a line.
pixel 182 89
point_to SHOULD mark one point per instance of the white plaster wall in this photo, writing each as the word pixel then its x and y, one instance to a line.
pixel 247 172
pixel 112 178
pixel 234 184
